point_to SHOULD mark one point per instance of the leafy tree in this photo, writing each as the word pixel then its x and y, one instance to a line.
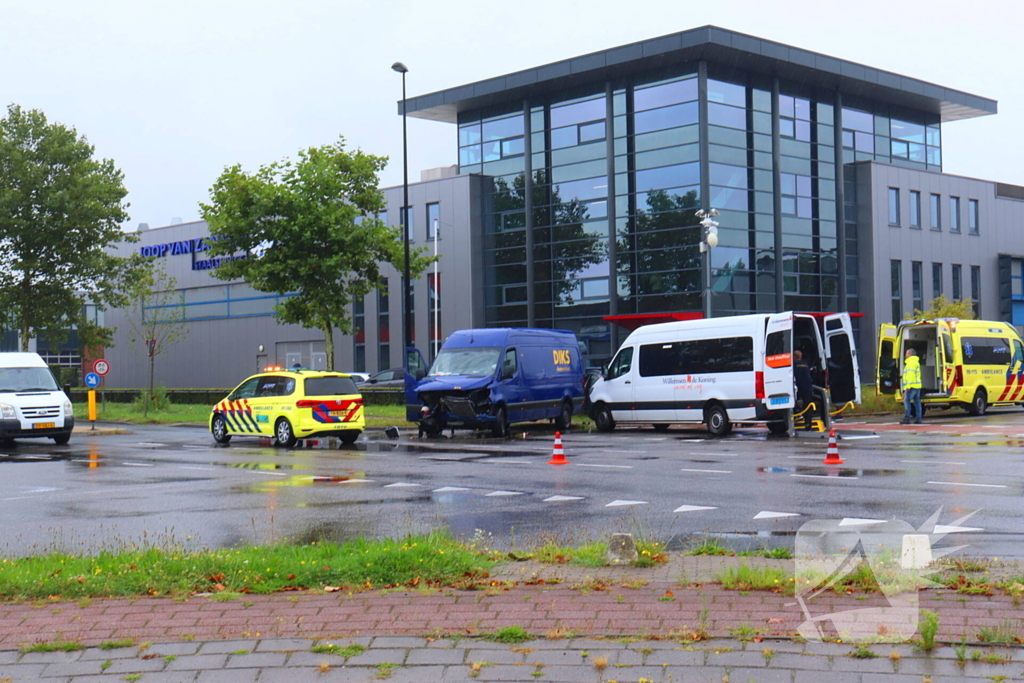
pixel 156 318
pixel 941 307
pixel 59 211
pixel 307 228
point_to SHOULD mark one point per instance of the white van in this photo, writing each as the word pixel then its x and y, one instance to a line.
pixel 721 371
pixel 31 403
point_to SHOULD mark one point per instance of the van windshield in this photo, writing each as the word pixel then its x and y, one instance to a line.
pixel 475 362
pixel 26 379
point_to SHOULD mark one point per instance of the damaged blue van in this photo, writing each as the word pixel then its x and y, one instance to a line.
pixel 491 378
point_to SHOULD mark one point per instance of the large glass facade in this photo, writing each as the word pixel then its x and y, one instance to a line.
pixel 602 187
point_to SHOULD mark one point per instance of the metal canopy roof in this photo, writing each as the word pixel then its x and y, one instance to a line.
pixel 715 45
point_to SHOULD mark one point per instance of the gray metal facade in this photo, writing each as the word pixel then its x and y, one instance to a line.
pixel 222 350
pixel 930 240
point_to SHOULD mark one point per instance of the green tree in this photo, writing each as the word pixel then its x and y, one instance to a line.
pixel 941 307
pixel 59 212
pixel 307 228
pixel 156 319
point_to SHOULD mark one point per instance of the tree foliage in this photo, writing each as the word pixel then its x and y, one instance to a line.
pixel 156 318
pixel 307 228
pixel 941 307
pixel 59 212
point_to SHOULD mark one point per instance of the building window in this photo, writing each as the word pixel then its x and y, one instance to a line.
pixel 936 280
pixel 433 220
pixel 795 118
pixel 916 285
pixel 897 292
pixel 976 290
pixel 359 334
pixel 915 209
pixel 936 212
pixel 797 196
pixel 958 291
pixel 383 217
pixel 894 206
pixel 972 216
pixel 383 330
pixel 408 220
pixel 954 214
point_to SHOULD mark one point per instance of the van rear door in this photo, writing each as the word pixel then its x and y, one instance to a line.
pixel 841 357
pixel 777 366
pixel 944 361
pixel 886 367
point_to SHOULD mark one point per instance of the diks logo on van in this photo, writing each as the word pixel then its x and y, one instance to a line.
pixel 561 356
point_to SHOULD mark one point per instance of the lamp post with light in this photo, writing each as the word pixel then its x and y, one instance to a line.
pixel 406 302
pixel 709 240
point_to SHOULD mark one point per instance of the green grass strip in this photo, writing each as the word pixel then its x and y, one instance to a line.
pixel 435 558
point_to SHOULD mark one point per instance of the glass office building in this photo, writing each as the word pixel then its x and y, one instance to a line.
pixel 597 165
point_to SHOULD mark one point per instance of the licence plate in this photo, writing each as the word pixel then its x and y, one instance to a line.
pixel 338 413
pixel 779 399
pixel 44 425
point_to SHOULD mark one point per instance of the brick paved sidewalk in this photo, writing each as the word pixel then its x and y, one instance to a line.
pixel 594 609
pixel 447 660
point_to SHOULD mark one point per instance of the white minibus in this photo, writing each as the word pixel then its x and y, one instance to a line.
pixel 722 371
pixel 31 403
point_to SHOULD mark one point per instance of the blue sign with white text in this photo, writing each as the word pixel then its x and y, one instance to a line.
pixel 92 380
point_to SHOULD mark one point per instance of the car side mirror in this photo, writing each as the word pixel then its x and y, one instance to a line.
pixel 507 373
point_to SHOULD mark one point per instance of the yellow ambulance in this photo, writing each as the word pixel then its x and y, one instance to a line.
pixel 970 364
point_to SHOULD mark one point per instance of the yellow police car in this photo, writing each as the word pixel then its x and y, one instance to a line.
pixel 289 405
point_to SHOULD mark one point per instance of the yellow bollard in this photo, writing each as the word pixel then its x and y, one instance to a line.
pixel 92 408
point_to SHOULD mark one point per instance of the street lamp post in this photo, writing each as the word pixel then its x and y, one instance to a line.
pixel 708 241
pixel 406 302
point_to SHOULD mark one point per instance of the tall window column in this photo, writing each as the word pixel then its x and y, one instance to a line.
pixel 531 294
pixel 613 271
pixel 780 297
pixel 705 174
pixel 837 144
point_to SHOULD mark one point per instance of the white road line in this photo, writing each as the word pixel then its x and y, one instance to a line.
pixel 618 467
pixel 504 493
pixel 137 464
pixel 857 521
pixel 693 440
pixel 822 476
pixel 805 457
pixel 355 481
pixel 655 438
pixel 932 462
pixel 708 471
pixel 693 508
pixel 854 438
pixel 724 455
pixel 621 503
pixel 944 529
pixel 184 467
pixel 554 499
pixel 401 484
pixel 148 443
pixel 956 483
pixel 265 472
pixel 446 489
pixel 768 514
pixel 607 450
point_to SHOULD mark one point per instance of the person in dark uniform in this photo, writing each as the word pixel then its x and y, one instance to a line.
pixel 804 385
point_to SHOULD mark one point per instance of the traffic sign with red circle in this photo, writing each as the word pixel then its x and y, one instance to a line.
pixel 101 367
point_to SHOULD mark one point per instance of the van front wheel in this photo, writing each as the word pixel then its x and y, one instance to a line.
pixel 500 428
pixel 717 420
pixel 564 420
pixel 603 418
pixel 979 404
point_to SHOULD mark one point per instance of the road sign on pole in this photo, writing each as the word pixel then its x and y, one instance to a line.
pixel 92 380
pixel 101 367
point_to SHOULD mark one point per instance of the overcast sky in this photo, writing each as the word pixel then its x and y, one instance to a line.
pixel 174 92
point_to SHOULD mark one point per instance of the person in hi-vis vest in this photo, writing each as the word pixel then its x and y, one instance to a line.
pixel 910 382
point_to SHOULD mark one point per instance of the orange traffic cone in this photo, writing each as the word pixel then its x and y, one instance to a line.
pixel 557 456
pixel 832 457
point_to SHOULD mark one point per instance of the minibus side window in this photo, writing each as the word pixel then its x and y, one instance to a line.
pixel 622 363
pixel 509 365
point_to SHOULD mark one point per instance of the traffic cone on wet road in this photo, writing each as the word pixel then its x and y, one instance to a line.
pixel 832 457
pixel 557 456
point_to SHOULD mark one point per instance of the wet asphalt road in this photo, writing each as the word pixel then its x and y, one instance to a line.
pixel 173 484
